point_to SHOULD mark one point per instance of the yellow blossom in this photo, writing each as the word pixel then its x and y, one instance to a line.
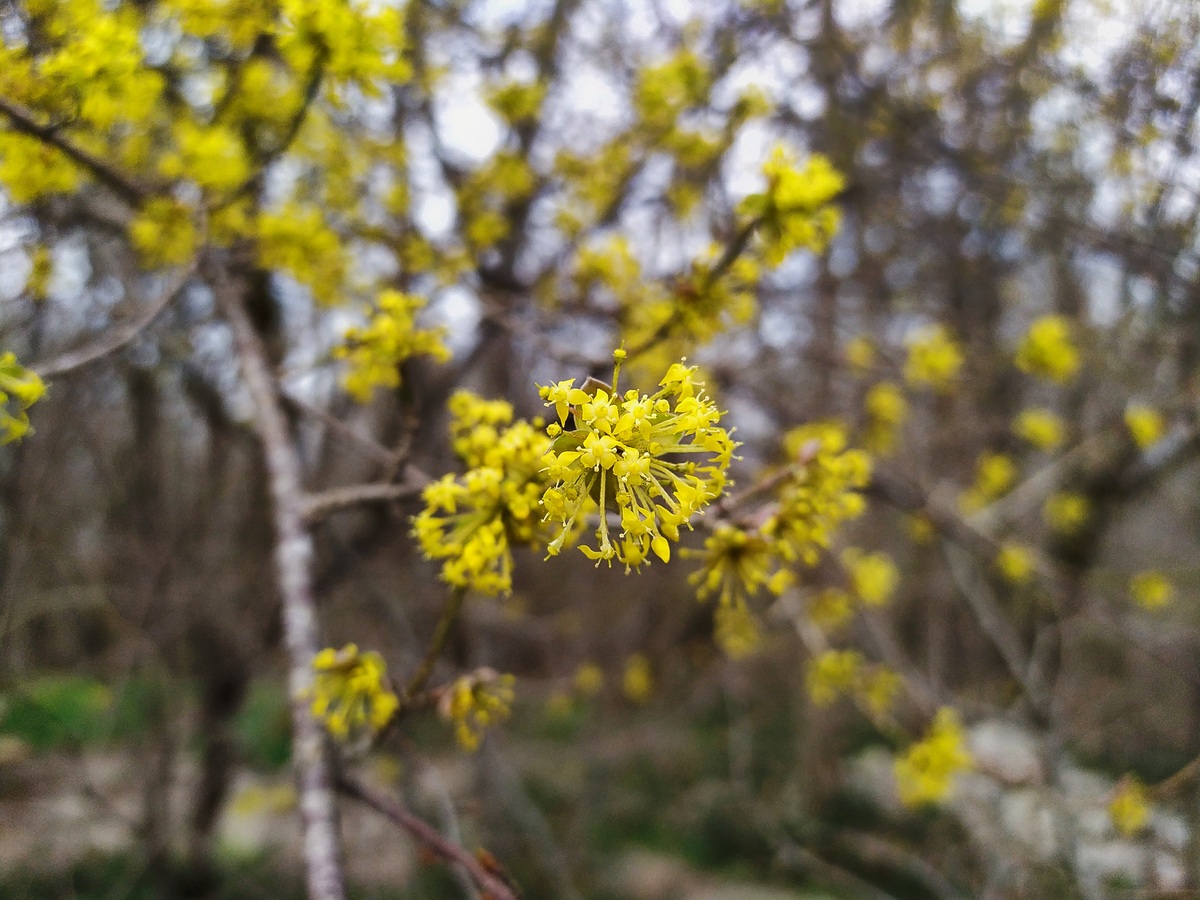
pixel 830 608
pixel 1066 511
pixel 796 210
pixel 860 354
pixel 350 693
pixel 476 702
pixel 1041 428
pixel 589 679
pixel 473 520
pixel 1015 563
pixel 1151 590
pixel 1146 425
pixel 377 350
pixel 873 576
pixel 1129 808
pixel 934 359
pixel 164 233
pixel 655 460
pixel 636 681
pixel 1046 351
pixel 995 474
pixel 738 632
pixel 886 411
pixel 925 773
pixel 833 673
pixel 877 692
pixel 20 388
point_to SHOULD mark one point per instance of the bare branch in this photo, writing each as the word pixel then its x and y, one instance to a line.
pixel 317 506
pixel 491 884
pixel 25 121
pixel 119 337
pixel 293 568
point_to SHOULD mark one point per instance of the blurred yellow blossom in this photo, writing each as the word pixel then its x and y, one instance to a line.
pixel 832 674
pixel 376 351
pixel 1046 351
pixel 737 631
pixel 830 608
pixel 1066 511
pixel 1015 563
pixel 20 388
pixel 589 679
pixel 1041 428
pixel 860 354
pixel 934 359
pixel 1129 808
pixel 1146 425
pixel 1151 590
pixel 477 702
pixel 795 211
pixel 636 680
pixel 873 576
pixel 925 773
pixel 995 474
pixel 886 411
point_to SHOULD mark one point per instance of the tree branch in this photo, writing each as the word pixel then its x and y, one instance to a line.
pixel 25 121
pixel 293 569
pixel 493 887
pixel 317 506
pixel 119 337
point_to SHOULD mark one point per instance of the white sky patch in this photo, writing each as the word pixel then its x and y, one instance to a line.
pixel 458 311
pixel 464 124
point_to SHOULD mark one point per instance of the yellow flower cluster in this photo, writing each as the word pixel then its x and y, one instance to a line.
pixel 1129 808
pixel 925 773
pixel 164 233
pixel 1047 351
pixel 1151 590
pixel 631 454
pixel 298 240
pixel 1066 511
pixel 795 211
pixel 860 354
pixel 995 474
pixel 350 693
pixel 637 681
pixel 1015 563
pixel 934 359
pixel 1146 425
pixel 376 350
pixel 1041 428
pixel 19 389
pixel 666 90
pixel 471 521
pixel 477 702
pixel 517 101
pixel 836 673
pixel 873 576
pixel 30 168
pixel 213 156
pixel 886 411
pixel 821 494
pixel 737 631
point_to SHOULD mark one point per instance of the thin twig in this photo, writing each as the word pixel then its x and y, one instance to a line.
pixel 118 338
pixel 449 615
pixel 317 506
pixel 25 120
pixel 492 885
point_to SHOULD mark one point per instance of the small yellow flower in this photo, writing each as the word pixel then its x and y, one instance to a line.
pixel 350 693
pixel 886 411
pixel 833 673
pixel 637 681
pixel 830 608
pixel 1151 590
pixel 1015 563
pixel 1041 428
pixel 925 773
pixel 873 576
pixel 376 351
pixel 995 474
pixel 738 632
pixel 877 692
pixel 1129 808
pixel 1066 512
pixel 589 679
pixel 934 359
pixel 1046 351
pixel 20 388
pixel 477 702
pixel 860 354
pixel 1146 425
